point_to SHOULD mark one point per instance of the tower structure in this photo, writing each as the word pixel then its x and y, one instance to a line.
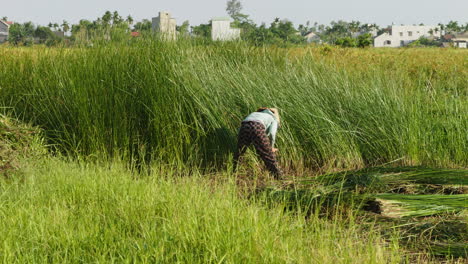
pixel 165 25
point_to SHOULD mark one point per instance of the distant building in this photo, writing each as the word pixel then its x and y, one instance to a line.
pixel 221 30
pixel 372 32
pixel 446 45
pixel 59 34
pixel 311 37
pixel 448 37
pixel 399 36
pixel 165 25
pixel 460 40
pixel 4 29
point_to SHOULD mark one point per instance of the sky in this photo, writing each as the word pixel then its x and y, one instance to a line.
pixel 383 13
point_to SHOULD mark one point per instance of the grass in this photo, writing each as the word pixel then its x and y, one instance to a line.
pixel 421 205
pixel 18 143
pixel 149 128
pixel 181 103
pixel 416 179
pixel 64 212
pixel 421 175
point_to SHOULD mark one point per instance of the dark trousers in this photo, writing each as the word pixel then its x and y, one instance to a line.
pixel 254 133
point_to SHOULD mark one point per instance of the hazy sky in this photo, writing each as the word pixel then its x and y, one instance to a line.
pixel 200 11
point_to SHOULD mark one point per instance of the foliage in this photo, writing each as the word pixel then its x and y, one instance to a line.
pixel 280 32
pixel 65 26
pixel 337 30
pixel 27 34
pixel 425 42
pixel 202 30
pixel 143 26
pixel 284 30
pixel 339 106
pixel 347 42
pixel 72 213
pixel 43 34
pixel 453 27
pixel 364 40
pixel 22 33
pixel 184 28
pixel 110 27
pixel 234 9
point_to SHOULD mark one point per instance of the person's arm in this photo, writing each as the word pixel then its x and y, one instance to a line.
pixel 273 129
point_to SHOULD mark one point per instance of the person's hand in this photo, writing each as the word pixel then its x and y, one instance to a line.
pixel 275 150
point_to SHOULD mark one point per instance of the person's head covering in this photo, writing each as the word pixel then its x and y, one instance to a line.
pixel 276 114
pixel 273 110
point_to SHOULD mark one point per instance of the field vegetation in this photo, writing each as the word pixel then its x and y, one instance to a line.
pixel 140 137
pixel 182 102
pixel 69 213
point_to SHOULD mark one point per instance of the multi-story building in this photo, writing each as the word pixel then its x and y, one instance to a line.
pixel 399 36
pixel 165 25
pixel 4 29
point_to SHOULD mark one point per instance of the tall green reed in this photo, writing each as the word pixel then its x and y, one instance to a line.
pixel 181 102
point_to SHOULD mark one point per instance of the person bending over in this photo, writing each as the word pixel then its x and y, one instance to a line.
pixel 259 128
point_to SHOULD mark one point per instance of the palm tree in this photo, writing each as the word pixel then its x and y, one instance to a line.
pixel 116 18
pixel 106 18
pixel 65 26
pixel 452 27
pixel 129 19
pixel 442 27
pixel 354 26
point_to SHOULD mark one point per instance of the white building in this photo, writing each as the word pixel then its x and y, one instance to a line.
pixel 221 30
pixel 399 36
pixel 311 37
pixel 165 25
pixel 4 29
pixel 461 40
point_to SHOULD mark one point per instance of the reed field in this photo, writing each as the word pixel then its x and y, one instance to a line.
pixel 181 103
pixel 122 154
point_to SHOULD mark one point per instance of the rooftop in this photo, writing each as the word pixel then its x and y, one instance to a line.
pixel 463 35
pixel 8 23
pixel 221 19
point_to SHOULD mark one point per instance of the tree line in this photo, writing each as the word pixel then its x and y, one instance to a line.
pixel 113 27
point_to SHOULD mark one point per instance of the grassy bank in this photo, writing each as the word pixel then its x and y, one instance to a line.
pixel 63 212
pixel 180 103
